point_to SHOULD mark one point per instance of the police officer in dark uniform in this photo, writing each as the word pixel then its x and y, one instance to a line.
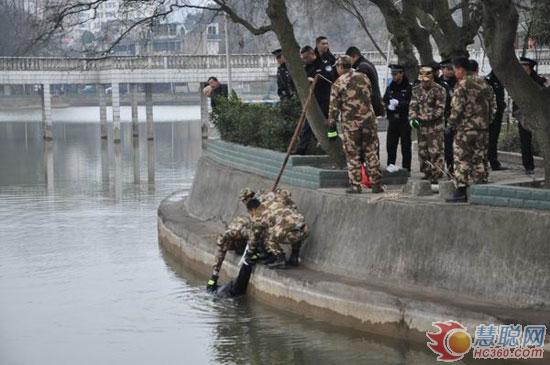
pixel 396 101
pixel 448 81
pixel 314 65
pixel 362 65
pixel 525 135
pixel 495 126
pixel 322 51
pixel 285 85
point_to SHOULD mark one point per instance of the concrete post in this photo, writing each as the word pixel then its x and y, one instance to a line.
pixel 135 117
pixel 102 110
pixel 149 111
pixel 47 112
pixel 7 90
pixel 116 111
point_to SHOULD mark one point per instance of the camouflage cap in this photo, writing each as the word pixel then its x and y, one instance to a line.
pixel 344 61
pixel 246 194
pixel 426 73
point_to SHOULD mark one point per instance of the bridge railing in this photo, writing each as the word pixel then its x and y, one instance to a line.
pixel 139 62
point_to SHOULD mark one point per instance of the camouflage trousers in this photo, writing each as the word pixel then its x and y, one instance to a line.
pixel 430 150
pixel 277 237
pixel 361 145
pixel 470 150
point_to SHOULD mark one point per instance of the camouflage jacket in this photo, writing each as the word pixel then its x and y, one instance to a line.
pixel 235 237
pixel 275 222
pixel 279 196
pixel 428 106
pixel 350 101
pixel 238 230
pixel 473 104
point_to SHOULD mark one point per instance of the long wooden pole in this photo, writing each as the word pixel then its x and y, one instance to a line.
pixel 297 131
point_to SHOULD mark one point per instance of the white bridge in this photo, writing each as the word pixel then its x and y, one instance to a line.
pixel 114 71
pixel 148 70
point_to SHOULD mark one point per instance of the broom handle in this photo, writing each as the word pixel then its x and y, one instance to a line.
pixel 297 131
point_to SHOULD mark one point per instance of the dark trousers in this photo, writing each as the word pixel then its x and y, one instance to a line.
pixel 494 132
pixel 307 137
pixel 449 154
pixel 526 139
pixel 399 129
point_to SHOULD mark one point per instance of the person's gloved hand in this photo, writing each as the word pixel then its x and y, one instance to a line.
pixel 393 104
pixel 414 123
pixel 251 258
pixel 212 283
pixel 332 131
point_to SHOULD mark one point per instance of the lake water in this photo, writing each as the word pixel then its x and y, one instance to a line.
pixel 84 281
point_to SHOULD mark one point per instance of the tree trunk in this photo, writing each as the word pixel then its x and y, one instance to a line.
pixel 277 13
pixel 500 26
pixel 401 40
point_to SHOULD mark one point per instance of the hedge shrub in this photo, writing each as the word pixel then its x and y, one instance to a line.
pixel 258 125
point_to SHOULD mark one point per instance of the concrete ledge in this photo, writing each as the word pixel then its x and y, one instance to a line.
pixel 340 300
pixel 510 196
pixel 404 241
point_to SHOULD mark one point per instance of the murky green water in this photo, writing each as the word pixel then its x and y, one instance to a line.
pixel 83 280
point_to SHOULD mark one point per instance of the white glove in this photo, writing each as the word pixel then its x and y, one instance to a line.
pixel 393 104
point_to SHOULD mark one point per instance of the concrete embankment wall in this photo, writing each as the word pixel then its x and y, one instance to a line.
pixel 471 254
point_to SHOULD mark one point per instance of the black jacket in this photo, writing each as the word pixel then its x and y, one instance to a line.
pixel 328 58
pixel 364 66
pixel 402 92
pixel 322 90
pixel 220 91
pixel 285 85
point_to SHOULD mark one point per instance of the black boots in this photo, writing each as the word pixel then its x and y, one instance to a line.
pixel 278 263
pixel 459 196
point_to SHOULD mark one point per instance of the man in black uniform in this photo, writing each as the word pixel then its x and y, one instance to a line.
pixel 495 126
pixel 448 81
pixel 396 101
pixel 525 135
pixel 285 85
pixel 322 51
pixel 314 65
pixel 362 65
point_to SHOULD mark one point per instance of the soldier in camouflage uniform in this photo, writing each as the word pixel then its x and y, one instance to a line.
pixel 427 109
pixel 350 102
pixel 472 108
pixel 235 238
pixel 276 222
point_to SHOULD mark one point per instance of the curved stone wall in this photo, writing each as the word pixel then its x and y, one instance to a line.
pixel 464 253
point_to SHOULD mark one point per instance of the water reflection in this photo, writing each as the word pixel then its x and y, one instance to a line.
pixel 49 166
pixel 151 162
pixel 135 155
